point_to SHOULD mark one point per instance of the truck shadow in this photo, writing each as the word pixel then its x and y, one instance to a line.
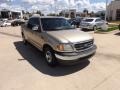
pixel 37 60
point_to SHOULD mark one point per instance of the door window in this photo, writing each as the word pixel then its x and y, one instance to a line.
pixel 98 20
pixel 33 22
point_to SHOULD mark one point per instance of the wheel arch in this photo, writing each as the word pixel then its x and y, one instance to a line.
pixel 45 46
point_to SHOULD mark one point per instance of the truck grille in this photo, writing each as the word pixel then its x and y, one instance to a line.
pixel 84 45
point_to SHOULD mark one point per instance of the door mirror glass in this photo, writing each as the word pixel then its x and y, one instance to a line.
pixel 73 26
pixel 35 28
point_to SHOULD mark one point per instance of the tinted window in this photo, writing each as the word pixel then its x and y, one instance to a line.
pixel 33 22
pixel 36 21
pixel 88 20
pixel 30 23
pixel 53 24
pixel 98 20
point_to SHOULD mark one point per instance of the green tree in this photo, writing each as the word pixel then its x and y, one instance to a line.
pixel 85 11
pixel 39 12
pixel 92 14
pixel 23 12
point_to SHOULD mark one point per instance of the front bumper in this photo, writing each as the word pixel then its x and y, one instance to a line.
pixel 75 56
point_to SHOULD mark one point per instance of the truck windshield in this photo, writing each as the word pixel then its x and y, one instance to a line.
pixel 54 24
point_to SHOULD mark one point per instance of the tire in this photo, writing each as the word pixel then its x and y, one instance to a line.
pixel 94 28
pixel 82 29
pixel 50 57
pixel 24 40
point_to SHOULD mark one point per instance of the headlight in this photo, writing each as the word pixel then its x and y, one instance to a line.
pixel 64 47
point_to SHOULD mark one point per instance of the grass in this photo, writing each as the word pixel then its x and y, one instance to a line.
pixel 110 28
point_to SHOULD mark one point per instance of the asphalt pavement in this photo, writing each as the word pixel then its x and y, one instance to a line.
pixel 24 67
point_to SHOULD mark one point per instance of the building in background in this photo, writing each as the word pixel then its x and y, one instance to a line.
pixel 113 10
pixel 69 13
pixel 5 13
pixel 73 13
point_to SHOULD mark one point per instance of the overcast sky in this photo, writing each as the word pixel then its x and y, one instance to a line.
pixel 48 6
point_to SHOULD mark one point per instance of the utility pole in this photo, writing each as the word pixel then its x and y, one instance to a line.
pixel 106 10
pixel 10 5
pixel 69 7
pixel 55 5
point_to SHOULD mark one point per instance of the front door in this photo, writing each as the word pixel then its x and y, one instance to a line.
pixel 36 35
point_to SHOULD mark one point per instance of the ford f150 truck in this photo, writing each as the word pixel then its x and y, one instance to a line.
pixel 59 41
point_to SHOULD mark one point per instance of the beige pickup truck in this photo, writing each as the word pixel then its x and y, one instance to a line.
pixel 60 42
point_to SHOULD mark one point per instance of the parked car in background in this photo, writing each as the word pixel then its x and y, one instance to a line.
pixel 92 23
pixel 59 41
pixel 17 22
pixel 5 23
pixel 75 21
pixel 1 21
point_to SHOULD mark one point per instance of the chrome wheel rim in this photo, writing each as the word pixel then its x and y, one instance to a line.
pixel 48 56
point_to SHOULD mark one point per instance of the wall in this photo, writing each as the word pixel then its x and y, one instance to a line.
pixel 111 9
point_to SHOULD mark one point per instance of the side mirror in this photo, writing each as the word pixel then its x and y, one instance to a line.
pixel 73 26
pixel 35 28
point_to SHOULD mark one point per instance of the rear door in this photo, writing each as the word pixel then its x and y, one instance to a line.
pixel 98 22
pixel 28 30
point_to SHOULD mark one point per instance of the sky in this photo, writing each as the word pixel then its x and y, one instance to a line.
pixel 51 6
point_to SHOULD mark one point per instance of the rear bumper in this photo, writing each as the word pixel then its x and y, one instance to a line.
pixel 86 27
pixel 75 56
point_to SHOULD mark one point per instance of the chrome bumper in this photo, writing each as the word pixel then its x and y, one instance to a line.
pixel 86 27
pixel 78 55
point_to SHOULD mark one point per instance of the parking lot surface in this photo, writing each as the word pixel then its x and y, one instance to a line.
pixel 24 68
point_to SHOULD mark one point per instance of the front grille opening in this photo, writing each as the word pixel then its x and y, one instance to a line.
pixel 82 46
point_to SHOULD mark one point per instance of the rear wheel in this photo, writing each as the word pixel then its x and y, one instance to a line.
pixel 95 28
pixel 50 56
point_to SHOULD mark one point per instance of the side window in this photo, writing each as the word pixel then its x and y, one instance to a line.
pixel 33 22
pixel 97 20
pixel 36 21
pixel 30 23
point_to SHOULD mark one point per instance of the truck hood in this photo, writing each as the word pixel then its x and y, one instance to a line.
pixel 70 36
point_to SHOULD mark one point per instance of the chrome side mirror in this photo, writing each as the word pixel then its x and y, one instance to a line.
pixel 35 28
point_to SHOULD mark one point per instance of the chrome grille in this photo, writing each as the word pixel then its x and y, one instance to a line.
pixel 84 45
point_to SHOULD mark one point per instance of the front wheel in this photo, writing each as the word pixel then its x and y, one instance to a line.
pixel 50 56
